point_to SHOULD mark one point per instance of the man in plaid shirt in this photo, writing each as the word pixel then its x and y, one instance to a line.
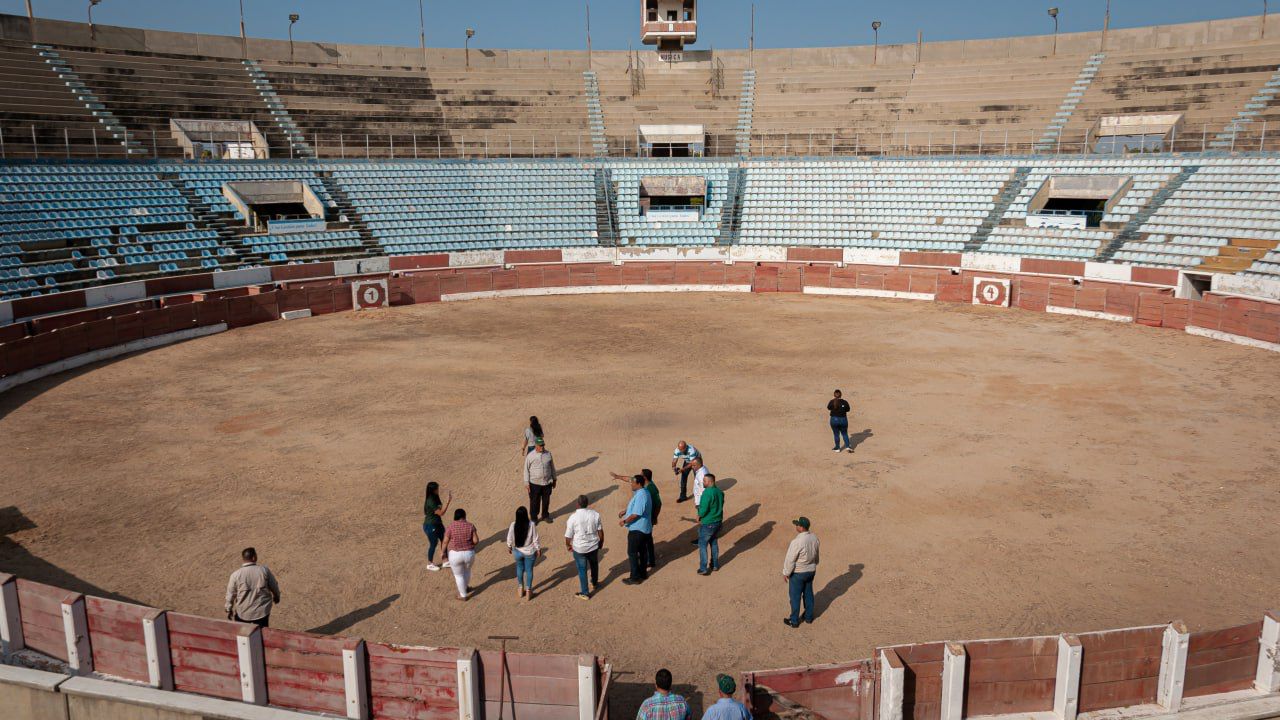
pixel 664 705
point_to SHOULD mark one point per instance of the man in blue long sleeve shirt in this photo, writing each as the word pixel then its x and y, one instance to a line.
pixel 638 520
pixel 726 708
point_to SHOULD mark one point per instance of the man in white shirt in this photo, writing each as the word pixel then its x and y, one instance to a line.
pixel 699 475
pixel 584 536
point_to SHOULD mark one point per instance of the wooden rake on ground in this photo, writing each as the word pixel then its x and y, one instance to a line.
pixel 504 677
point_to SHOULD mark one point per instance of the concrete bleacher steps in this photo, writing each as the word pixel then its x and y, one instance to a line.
pixel 1011 190
pixel 1130 231
pixel 298 146
pixel 746 108
pixel 1253 113
pixel 668 96
pixel 1237 255
pixel 606 207
pixel 595 115
pixel 1053 134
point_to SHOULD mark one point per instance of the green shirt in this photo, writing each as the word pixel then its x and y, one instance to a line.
pixel 711 507
pixel 655 499
pixel 429 509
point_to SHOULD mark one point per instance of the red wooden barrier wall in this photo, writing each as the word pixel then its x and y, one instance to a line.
pixel 1222 660
pixel 304 671
pixel 41 609
pixel 922 680
pixel 1119 667
pixel 412 683
pixel 205 658
pixel 841 691
pixel 116 637
pixel 542 687
pixel 1010 676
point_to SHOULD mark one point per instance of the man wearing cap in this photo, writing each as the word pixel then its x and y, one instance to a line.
pixel 798 569
pixel 539 480
pixel 682 464
pixel 726 708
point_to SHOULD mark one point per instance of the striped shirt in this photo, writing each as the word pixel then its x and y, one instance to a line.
pixel 688 455
pixel 458 536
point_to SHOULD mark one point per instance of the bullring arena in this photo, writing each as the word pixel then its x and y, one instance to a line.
pixel 1059 365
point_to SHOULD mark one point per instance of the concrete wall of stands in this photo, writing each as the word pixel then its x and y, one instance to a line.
pixel 235 668
pixel 51 333
pixel 1235 670
pixel 58 32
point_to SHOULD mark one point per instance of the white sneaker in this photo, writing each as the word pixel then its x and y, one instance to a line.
pixel 433 567
pixel 444 564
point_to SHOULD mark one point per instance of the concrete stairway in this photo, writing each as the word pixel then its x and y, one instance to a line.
pixel 1053 134
pixel 595 116
pixel 115 130
pixel 1130 231
pixel 746 107
pixel 606 207
pixel 229 229
pixel 731 211
pixel 1239 254
pixel 1257 104
pixel 298 146
pixel 1012 188
pixel 348 213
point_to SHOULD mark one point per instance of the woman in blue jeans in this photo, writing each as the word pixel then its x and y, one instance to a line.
pixel 522 541
pixel 432 524
pixel 839 410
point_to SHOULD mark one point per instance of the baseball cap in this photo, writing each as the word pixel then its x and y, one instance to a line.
pixel 726 684
pixel 802 521
pixel 539 441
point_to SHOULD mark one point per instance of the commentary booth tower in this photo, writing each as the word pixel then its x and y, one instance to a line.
pixel 669 24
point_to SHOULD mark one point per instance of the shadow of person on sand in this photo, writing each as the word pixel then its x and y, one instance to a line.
pixel 857 439
pixel 835 588
pixel 746 542
pixel 679 546
pixel 16 559
pixel 344 622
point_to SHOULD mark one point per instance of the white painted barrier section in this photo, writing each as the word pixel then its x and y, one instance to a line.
pixel 1096 315
pixel 1268 677
pixel 355 677
pixel 76 361
pixel 75 623
pixel 867 292
pixel 112 294
pixel 758 253
pixel 1261 288
pixel 953 662
pixel 892 685
pixel 468 685
pixel 591 290
pixel 240 278
pixel 1066 688
pixel 589 255
pixel 471 258
pixel 253 672
pixel 986 262
pixel 872 256
pixel 155 633
pixel 1173 667
pixel 665 254
pixel 362 266
pixel 1108 271
pixel 11 638
pixel 587 687
pixel 295 314
pixel 1229 337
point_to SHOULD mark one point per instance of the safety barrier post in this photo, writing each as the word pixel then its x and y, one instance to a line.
pixel 1066 688
pixel 892 683
pixel 1268 678
pixel 253 672
pixel 355 675
pixel 75 623
pixel 953 662
pixel 155 632
pixel 1173 666
pixel 11 640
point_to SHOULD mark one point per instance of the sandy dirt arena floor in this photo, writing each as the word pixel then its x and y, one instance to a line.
pixel 1016 473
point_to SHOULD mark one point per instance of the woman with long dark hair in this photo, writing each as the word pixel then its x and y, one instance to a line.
pixel 522 541
pixel 532 434
pixel 433 523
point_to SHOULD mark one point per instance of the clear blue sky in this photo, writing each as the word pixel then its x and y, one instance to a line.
pixel 558 24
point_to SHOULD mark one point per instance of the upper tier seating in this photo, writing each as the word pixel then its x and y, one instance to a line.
pixel 669 97
pixel 33 97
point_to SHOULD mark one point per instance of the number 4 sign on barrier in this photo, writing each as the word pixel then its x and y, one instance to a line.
pixel 369 294
pixel 991 291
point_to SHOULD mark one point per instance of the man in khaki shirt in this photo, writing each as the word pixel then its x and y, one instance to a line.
pixel 798 571
pixel 251 591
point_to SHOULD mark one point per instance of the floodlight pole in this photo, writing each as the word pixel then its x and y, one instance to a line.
pixel 422 33
pixel 1106 24
pixel 470 34
pixel 875 49
pixel 293 18
pixel 31 21
pixel 244 41
pixel 93 31
pixel 1263 34
pixel 1053 13
pixel 751 39
pixel 588 2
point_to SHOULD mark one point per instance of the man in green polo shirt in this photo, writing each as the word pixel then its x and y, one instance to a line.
pixel 710 516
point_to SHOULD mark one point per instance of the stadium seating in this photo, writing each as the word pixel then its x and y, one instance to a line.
pixel 633 229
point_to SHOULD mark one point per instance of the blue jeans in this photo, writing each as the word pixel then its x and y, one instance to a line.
pixel 587 560
pixel 801 586
pixel 708 535
pixel 524 568
pixel 840 429
pixel 435 536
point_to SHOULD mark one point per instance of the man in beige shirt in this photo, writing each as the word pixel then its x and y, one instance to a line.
pixel 251 591
pixel 798 570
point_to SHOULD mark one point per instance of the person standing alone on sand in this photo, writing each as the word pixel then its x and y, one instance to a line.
pixel 460 540
pixel 798 571
pixel 433 525
pixel 532 434
pixel 539 480
pixel 839 411
pixel 252 591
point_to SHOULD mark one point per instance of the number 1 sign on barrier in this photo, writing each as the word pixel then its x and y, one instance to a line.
pixel 369 294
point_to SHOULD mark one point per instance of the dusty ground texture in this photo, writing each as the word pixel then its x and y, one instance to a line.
pixel 1018 473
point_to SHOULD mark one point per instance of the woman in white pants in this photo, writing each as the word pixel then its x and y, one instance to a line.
pixel 460 540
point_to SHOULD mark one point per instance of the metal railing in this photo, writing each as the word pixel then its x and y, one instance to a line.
pixel 28 142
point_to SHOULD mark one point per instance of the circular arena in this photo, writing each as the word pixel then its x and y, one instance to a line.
pixel 1058 362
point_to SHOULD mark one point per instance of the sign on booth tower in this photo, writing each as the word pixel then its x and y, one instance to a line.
pixel 669 24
